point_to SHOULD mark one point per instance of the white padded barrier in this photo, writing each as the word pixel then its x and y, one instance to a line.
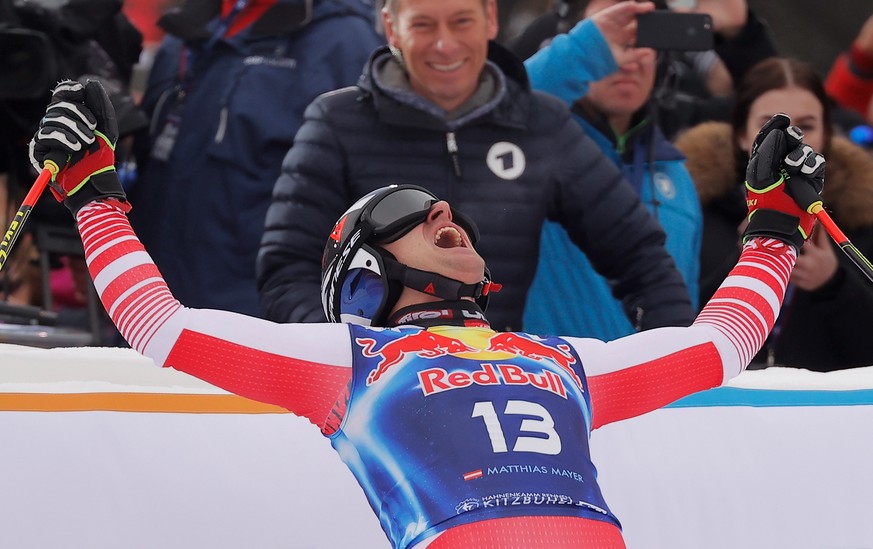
pixel 100 449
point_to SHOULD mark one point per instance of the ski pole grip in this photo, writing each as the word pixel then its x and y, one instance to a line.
pixel 54 162
pixel 805 196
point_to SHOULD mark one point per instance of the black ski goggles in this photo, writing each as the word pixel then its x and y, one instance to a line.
pixel 399 211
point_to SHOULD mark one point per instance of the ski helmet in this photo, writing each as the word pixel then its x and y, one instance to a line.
pixel 360 281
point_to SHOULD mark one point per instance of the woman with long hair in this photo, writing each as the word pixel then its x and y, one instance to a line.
pixel 829 306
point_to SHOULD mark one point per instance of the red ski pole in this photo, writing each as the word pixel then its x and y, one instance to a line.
pixel 11 235
pixel 804 194
pixel 843 241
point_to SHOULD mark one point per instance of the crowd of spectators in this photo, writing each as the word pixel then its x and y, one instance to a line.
pixel 588 168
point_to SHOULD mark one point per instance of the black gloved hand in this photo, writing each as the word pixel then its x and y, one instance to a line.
pixel 79 127
pixel 784 181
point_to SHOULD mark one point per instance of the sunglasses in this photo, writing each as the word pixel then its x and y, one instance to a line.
pixel 398 212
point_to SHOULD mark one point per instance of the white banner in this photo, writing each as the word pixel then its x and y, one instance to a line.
pixel 744 467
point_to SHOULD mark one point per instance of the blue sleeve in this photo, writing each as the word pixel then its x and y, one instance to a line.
pixel 584 50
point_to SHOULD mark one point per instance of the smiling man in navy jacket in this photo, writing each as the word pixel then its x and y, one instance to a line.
pixel 446 108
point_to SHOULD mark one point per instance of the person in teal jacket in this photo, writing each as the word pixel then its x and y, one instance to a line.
pixel 610 93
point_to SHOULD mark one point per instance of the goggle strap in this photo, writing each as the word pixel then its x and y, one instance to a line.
pixel 433 283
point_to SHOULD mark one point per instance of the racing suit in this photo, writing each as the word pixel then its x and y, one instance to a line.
pixel 459 435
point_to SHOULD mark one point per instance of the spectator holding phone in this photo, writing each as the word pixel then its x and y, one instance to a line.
pixel 696 85
pixel 619 114
pixel 703 82
pixel 829 305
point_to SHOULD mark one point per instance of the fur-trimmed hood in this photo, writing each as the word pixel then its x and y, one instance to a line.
pixel 848 189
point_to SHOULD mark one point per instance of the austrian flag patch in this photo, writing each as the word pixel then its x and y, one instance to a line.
pixel 473 475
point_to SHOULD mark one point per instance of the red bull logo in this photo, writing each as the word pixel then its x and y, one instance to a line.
pixel 423 344
pixel 520 345
pixel 439 380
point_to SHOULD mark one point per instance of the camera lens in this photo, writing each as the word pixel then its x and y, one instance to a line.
pixel 682 4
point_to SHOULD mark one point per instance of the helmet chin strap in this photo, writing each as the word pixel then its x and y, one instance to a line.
pixel 435 284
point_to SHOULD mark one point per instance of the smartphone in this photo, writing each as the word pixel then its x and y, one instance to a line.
pixel 668 30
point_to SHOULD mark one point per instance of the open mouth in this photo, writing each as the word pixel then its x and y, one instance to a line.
pixel 448 237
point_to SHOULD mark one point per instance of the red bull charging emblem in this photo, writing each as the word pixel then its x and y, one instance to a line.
pixel 488 350
pixel 423 344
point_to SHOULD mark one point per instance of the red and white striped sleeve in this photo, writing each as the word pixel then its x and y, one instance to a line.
pixel 645 371
pixel 301 367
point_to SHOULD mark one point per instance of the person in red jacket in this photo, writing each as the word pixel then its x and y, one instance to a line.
pixel 850 81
